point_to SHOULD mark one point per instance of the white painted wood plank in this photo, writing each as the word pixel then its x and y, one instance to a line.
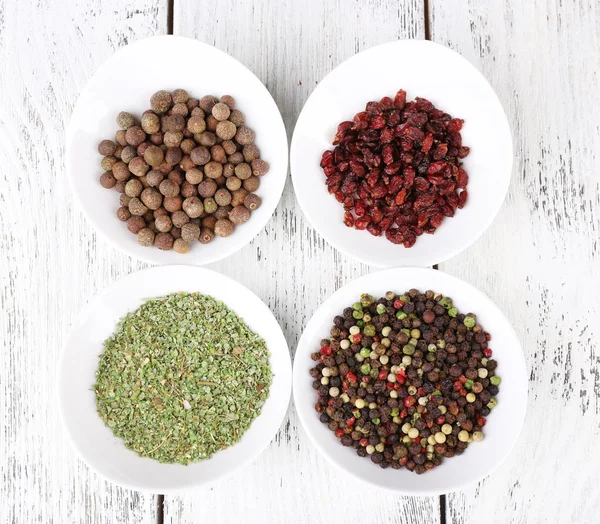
pixel 291 45
pixel 51 262
pixel 540 260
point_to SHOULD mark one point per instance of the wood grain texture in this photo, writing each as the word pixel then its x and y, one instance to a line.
pixel 540 260
pixel 51 262
pixel 291 46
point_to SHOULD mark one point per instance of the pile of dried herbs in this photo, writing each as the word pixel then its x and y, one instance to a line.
pixel 181 378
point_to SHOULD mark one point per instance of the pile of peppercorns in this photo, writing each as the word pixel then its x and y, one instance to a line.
pixel 187 172
pixel 406 380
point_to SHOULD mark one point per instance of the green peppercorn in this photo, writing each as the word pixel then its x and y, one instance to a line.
pixel 401 315
pixel 469 383
pixel 356 413
pixel 374 373
pixel 390 295
pixel 369 330
pixel 360 323
pixel 432 348
pixel 357 306
pixel 366 300
pixel 357 314
pixel 415 333
pixel 380 309
pixel 375 421
pixel 446 302
pixel 492 403
pixel 430 357
pixel 469 321
pixel 395 412
pixel 404 298
pixel 365 369
pixel 406 332
pixel 408 349
pixel 453 312
pixel 495 380
pixel 365 352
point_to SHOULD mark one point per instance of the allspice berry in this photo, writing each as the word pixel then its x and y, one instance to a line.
pixel 228 100
pixel 213 169
pixel 151 198
pixel 209 221
pixel 187 145
pixel 252 202
pixel 156 139
pixel 206 236
pixel 190 232
pixel 141 149
pixel 120 186
pixel 233 183
pixel 172 204
pixel 108 180
pixel 133 188
pixel 208 102
pixel 226 130
pixel 187 163
pixel 177 176
pixel 145 237
pixel 135 136
pixel 180 96
pixel 154 178
pixel 136 207
pixel 154 155
pixel 175 232
pixel 172 123
pixel 223 197
pixel 210 205
pixel 108 162
pixel 229 147
pixel 220 111
pixel 179 218
pixel 197 111
pixel 173 138
pixel 135 224
pixel 150 123
pixel 168 188
pixel 107 148
pixel 125 120
pixel 217 153
pixel 200 156
pixel 161 211
pixel 180 109
pixel 121 171
pixel 181 246
pixel 206 139
pixel 174 155
pixel 250 152
pixel 123 214
pixel 237 117
pixel 188 190
pixel 251 184
pixel 164 241
pixel 222 212
pixel 120 138
pixel 193 207
pixel 243 171
pixel 211 123
pixel 196 124
pixel 148 216
pixel 163 223
pixel 259 167
pixel 236 158
pixel 228 170
pixel 194 175
pixel 239 215
pixel 238 197
pixel 138 166
pixel 160 102
pixel 223 227
pixel 244 135
pixel 124 200
pixel 128 153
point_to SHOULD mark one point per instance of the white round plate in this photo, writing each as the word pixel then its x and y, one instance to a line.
pixel 503 424
pixel 423 69
pixel 95 442
pixel 125 83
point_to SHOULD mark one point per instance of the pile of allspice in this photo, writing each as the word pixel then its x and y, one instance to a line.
pixel 186 172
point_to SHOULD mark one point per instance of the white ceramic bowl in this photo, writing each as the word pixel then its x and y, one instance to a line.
pixel 95 442
pixel 124 83
pixel 451 83
pixel 503 424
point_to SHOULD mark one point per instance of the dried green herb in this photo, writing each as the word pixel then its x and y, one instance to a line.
pixel 181 378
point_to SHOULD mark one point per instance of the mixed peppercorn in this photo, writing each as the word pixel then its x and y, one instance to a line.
pixel 397 168
pixel 405 380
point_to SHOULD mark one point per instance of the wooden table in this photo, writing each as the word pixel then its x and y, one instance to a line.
pixel 540 260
